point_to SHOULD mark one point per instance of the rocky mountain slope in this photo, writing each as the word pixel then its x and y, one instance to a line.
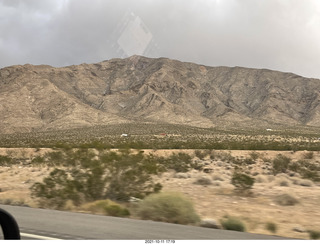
pixel 36 98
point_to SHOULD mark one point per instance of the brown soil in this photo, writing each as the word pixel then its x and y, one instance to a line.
pixel 212 201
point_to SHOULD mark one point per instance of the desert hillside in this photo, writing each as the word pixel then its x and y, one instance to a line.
pixel 40 98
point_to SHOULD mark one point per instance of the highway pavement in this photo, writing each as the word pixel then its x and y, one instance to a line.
pixel 52 225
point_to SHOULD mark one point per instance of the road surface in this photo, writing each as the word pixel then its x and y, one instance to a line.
pixel 52 224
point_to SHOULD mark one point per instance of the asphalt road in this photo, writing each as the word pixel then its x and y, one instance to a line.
pixel 53 224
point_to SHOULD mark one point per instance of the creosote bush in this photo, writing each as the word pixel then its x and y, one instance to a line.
pixel 306 169
pixel 5 160
pixel 168 207
pixel 272 227
pixel 203 180
pixel 314 235
pixel 242 182
pixel 280 164
pixel 180 162
pixel 308 155
pixel 114 175
pixel 201 154
pixel 106 207
pixel 233 223
pixel 254 155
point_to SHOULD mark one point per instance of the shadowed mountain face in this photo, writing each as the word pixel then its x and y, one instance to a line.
pixel 35 98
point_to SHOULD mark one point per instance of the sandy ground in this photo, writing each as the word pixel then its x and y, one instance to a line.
pixel 213 201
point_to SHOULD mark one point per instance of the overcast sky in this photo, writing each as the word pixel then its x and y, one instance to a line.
pixel 281 35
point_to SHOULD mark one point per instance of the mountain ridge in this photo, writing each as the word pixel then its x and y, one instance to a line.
pixel 42 97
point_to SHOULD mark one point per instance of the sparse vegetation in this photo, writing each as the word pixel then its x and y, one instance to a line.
pixel 74 171
pixel 178 137
pixel 168 207
pixel 286 200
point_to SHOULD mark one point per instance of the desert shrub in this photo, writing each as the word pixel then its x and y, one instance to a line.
pixel 116 210
pixel 232 223
pixel 306 169
pixel 116 176
pixel 294 166
pixel 96 206
pixel 180 162
pixel 308 155
pixel 55 157
pixel 4 160
pixel 181 175
pixel 272 227
pixel 203 180
pixel 242 182
pixel 13 202
pixel 254 155
pixel 168 207
pixel 286 200
pixel 248 161
pixel 265 159
pixel 314 235
pixel 56 189
pixel 310 174
pixel 280 164
pixel 213 155
pixel 282 181
pixel 225 156
pixel 217 177
pixel 305 182
pixel 106 207
pixel 38 160
pixel 201 154
pixel 260 179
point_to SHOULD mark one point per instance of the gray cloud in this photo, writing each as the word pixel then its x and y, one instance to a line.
pixel 276 34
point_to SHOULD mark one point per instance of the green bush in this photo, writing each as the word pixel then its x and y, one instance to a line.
pixel 116 211
pixel 4 160
pixel 280 164
pixel 306 169
pixel 232 223
pixel 116 176
pixel 180 162
pixel 272 227
pixel 242 182
pixel 168 207
pixel 254 155
pixel 314 235
pixel 106 207
pixel 38 160
pixel 201 154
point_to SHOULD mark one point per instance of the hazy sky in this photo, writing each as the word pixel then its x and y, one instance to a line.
pixel 282 35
